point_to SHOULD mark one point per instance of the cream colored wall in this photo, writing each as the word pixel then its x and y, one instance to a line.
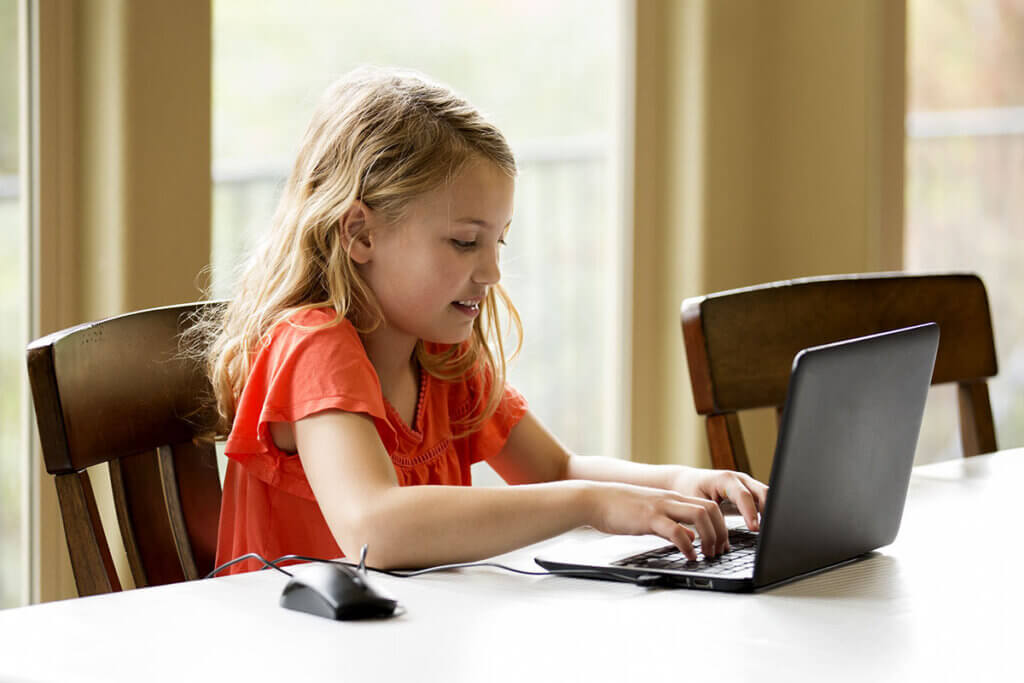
pixel 769 146
pixel 819 151
pixel 123 158
pixel 144 166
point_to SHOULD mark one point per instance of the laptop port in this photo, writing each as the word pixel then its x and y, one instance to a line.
pixel 703 583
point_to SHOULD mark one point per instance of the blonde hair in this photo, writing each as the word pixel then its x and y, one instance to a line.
pixel 382 137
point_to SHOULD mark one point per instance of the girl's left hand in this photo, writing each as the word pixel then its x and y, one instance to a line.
pixel 745 492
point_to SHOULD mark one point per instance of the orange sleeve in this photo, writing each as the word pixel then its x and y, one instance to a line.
pixel 299 372
pixel 490 438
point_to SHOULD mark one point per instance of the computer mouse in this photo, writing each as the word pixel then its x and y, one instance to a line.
pixel 335 591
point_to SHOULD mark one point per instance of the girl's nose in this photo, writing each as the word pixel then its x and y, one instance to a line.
pixel 488 270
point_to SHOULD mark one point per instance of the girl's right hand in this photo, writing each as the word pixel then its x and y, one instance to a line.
pixel 636 510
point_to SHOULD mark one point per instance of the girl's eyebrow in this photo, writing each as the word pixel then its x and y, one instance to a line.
pixel 479 221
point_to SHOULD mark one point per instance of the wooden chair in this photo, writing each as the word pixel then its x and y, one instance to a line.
pixel 740 344
pixel 118 392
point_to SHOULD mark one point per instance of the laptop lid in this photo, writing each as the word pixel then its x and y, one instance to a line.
pixel 845 451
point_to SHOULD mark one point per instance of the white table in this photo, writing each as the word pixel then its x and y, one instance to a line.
pixel 927 607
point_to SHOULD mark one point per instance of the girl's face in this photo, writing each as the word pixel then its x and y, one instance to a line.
pixel 431 269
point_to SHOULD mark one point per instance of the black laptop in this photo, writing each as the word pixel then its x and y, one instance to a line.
pixel 839 479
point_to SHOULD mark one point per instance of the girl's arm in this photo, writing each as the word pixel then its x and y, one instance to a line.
pixel 532 454
pixel 355 484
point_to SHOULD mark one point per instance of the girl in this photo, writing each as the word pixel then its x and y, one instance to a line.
pixel 360 365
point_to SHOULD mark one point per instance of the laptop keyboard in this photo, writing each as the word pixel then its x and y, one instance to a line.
pixel 738 561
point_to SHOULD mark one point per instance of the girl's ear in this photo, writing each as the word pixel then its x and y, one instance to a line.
pixel 355 230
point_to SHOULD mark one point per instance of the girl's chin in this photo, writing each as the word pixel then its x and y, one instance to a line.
pixel 451 337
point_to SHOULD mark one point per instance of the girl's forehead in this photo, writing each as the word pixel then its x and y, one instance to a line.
pixel 481 175
pixel 481 194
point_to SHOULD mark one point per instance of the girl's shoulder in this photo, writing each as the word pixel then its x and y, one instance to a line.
pixel 319 316
pixel 315 334
pixel 319 350
pixel 322 322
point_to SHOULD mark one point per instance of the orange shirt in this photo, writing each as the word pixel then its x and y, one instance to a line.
pixel 268 506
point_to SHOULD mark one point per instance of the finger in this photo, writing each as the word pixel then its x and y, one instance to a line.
pixel 758 490
pixel 677 534
pixel 718 520
pixel 744 501
pixel 693 512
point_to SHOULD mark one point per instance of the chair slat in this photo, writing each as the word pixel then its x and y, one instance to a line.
pixel 126 524
pixel 728 450
pixel 172 500
pixel 147 513
pixel 91 561
pixel 198 484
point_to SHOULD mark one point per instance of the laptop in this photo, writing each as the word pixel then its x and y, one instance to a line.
pixel 839 478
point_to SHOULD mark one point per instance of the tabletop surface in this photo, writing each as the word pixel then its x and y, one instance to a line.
pixel 940 603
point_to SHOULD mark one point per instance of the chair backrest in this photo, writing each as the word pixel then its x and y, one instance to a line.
pixel 740 344
pixel 120 392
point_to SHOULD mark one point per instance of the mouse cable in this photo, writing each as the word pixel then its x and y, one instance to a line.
pixel 267 564
pixel 645 580
pixel 640 580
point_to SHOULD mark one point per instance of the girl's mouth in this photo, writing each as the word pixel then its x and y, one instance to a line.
pixel 469 308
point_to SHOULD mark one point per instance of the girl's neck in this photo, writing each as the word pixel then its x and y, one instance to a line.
pixel 393 356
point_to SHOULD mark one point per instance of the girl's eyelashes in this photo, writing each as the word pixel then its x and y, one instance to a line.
pixel 470 244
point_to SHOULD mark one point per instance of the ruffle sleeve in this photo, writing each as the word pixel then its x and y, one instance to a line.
pixel 490 438
pixel 308 366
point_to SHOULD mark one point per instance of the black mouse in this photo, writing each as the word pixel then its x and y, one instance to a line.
pixel 335 591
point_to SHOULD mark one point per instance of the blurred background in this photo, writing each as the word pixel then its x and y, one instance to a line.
pixel 571 85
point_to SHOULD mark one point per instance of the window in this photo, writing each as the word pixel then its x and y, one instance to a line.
pixel 965 171
pixel 546 74
pixel 13 317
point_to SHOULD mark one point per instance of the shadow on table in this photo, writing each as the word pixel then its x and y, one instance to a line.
pixel 874 577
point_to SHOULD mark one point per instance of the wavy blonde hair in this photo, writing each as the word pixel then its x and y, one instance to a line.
pixel 382 137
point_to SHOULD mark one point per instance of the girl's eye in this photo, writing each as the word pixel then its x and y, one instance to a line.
pixel 468 244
